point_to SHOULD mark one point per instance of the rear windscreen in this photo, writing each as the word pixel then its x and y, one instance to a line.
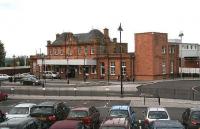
pixel 42 110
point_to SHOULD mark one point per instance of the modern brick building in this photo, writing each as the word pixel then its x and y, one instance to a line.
pixel 155 57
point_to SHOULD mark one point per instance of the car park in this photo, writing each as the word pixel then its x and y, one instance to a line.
pixel 155 113
pixel 21 123
pixel 90 116
pixel 50 112
pixel 116 123
pixel 20 110
pixel 123 111
pixel 30 81
pixel 68 124
pixel 3 96
pixel 191 118
pixel 166 124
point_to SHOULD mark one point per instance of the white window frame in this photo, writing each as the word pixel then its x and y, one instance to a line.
pixel 171 66
pixel 112 68
pixel 163 67
pixel 92 50
pixel 123 68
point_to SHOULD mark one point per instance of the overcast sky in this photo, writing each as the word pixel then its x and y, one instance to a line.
pixel 26 25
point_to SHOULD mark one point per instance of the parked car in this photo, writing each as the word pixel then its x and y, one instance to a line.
pixel 51 74
pixel 50 112
pixel 30 81
pixel 191 118
pixel 68 124
pixel 3 96
pixel 155 113
pixel 20 110
pixel 166 124
pixel 21 123
pixel 123 111
pixel 116 123
pixel 4 77
pixel 2 116
pixel 90 116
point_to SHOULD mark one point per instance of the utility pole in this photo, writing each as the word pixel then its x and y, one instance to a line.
pixel 181 37
pixel 120 30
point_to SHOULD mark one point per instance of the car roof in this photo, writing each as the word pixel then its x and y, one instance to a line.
pixel 16 122
pixel 156 109
pixel 115 121
pixel 80 108
pixel 195 109
pixel 167 123
pixel 25 105
pixel 48 103
pixel 65 124
pixel 120 107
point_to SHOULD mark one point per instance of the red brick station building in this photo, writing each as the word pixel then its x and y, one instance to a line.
pixel 95 55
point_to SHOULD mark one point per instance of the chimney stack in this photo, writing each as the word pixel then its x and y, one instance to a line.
pixel 57 35
pixel 115 40
pixel 48 42
pixel 106 32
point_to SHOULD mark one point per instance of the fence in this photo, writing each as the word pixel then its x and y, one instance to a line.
pixel 187 94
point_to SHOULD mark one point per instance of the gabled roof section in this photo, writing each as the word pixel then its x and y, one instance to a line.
pixel 81 38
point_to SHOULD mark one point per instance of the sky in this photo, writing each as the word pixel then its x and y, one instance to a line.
pixel 26 25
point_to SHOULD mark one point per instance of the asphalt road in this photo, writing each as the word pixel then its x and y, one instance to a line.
pixel 180 89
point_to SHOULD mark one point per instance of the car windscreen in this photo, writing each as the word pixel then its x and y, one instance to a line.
pixel 195 115
pixel 121 113
pixel 113 127
pixel 158 115
pixel 77 113
pixel 42 110
pixel 19 110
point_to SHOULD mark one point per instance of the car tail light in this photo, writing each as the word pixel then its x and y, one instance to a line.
pixel 52 118
pixel 87 120
pixel 146 121
pixel 194 122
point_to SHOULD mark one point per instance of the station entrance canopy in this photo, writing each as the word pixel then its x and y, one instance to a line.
pixel 67 62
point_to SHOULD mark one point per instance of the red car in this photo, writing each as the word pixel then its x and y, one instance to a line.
pixel 90 116
pixel 3 96
pixel 67 124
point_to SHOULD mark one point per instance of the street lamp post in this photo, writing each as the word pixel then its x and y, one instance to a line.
pixel 84 70
pixel 14 68
pixel 120 30
pixel 181 36
pixel 44 77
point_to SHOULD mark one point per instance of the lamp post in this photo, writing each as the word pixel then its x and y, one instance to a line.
pixel 181 36
pixel 14 67
pixel 67 70
pixel 84 70
pixel 120 30
pixel 44 77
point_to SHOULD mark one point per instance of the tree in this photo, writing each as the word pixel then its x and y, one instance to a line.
pixel 2 54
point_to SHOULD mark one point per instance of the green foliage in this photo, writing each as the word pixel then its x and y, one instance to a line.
pixel 2 54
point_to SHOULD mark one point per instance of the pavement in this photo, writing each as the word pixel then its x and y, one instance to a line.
pixel 104 86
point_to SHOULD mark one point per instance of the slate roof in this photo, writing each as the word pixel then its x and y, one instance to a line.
pixel 82 37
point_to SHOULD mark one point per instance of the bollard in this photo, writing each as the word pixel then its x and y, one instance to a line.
pixel 144 99
pixel 159 100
